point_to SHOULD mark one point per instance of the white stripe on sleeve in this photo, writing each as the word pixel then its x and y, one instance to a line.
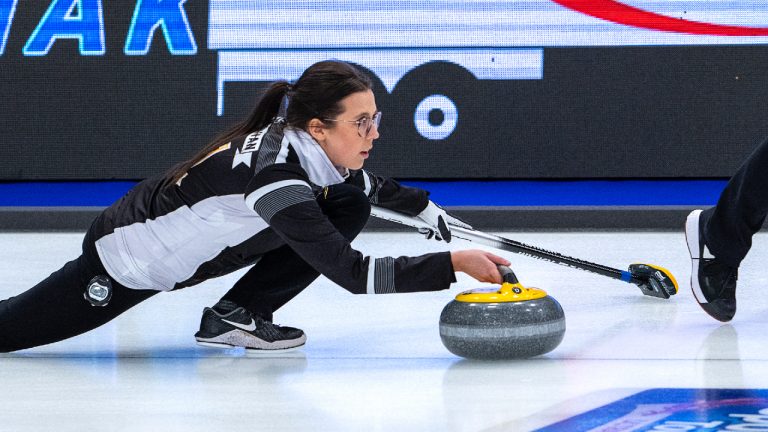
pixel 256 195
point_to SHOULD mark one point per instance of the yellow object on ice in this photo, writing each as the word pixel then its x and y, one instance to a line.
pixel 666 273
pixel 507 293
pixel 661 274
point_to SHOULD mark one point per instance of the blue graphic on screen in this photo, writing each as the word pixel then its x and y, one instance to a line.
pixel 79 19
pixel 7 9
pixel 675 410
pixel 171 17
pixel 84 20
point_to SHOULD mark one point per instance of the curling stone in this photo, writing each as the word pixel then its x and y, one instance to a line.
pixel 510 322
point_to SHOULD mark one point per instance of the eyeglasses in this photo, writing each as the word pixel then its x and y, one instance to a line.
pixel 364 125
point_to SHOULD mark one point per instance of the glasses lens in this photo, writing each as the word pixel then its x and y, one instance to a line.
pixel 366 124
pixel 363 126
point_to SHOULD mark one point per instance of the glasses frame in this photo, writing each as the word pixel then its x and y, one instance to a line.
pixel 362 131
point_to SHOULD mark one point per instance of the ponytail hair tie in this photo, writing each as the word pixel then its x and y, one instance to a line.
pixel 286 99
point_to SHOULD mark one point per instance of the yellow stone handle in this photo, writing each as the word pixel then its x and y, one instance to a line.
pixel 508 292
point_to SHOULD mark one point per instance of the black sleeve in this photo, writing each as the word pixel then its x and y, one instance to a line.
pixel 281 195
pixel 390 194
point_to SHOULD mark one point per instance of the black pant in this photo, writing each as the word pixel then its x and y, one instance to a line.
pixel 55 309
pixel 740 211
pixel 281 274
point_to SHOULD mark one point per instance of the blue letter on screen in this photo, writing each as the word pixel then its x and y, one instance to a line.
pixel 170 16
pixel 7 7
pixel 73 19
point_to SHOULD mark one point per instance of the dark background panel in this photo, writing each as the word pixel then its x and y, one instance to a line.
pixel 403 152
pixel 643 112
pixel 637 112
pixel 68 116
pixel 619 112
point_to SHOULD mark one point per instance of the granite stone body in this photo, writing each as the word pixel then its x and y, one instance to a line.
pixel 504 330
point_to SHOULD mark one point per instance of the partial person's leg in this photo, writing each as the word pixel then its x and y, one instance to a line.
pixel 276 278
pixel 740 211
pixel 720 237
pixel 55 309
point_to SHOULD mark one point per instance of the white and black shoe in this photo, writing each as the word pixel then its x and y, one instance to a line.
pixel 227 325
pixel 713 282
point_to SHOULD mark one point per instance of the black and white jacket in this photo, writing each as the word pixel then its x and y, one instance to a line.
pixel 244 199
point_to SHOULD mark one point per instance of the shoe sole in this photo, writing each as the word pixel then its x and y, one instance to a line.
pixel 251 351
pixel 238 338
pixel 694 249
pixel 266 352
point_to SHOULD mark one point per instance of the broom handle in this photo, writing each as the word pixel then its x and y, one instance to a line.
pixel 502 243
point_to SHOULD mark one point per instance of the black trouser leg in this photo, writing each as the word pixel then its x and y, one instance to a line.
pixel 281 274
pixel 55 309
pixel 740 211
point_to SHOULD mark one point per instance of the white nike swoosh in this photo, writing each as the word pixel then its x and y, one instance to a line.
pixel 249 327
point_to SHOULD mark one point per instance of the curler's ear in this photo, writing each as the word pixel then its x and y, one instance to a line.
pixel 316 128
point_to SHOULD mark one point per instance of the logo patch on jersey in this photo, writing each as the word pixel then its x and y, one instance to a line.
pixel 253 141
pixel 241 158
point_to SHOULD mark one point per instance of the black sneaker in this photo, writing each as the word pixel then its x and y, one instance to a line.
pixel 226 325
pixel 713 283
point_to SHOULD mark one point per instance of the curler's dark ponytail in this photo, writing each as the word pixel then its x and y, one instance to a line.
pixel 266 110
pixel 316 94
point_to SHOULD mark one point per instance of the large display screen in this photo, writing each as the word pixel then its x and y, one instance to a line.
pixel 95 89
